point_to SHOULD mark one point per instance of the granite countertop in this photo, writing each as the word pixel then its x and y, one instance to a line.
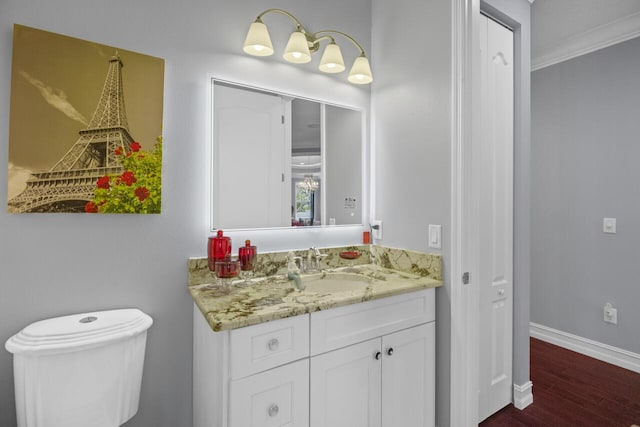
pixel 274 297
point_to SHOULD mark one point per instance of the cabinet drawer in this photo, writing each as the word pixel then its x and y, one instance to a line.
pixel 339 327
pixel 257 348
pixel 275 398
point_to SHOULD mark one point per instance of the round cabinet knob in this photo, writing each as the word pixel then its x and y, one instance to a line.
pixel 273 410
pixel 378 356
pixel 501 292
pixel 390 351
pixel 273 344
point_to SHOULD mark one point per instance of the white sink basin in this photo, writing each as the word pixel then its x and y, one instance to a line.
pixel 335 282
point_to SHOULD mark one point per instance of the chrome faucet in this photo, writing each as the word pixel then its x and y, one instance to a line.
pixel 314 254
pixel 293 272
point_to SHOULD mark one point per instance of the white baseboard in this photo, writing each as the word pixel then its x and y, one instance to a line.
pixel 606 353
pixel 523 395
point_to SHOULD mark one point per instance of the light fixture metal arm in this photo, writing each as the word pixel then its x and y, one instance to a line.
pixel 345 35
pixel 285 13
pixel 313 37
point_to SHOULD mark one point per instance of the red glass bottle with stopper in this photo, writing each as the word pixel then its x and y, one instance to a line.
pixel 219 249
pixel 247 256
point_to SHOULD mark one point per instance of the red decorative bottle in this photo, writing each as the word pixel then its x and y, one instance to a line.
pixel 219 249
pixel 247 255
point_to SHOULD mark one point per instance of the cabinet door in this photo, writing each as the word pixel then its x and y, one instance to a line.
pixel 408 377
pixel 275 398
pixel 345 386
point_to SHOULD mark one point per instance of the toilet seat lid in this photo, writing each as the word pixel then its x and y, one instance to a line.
pixel 78 331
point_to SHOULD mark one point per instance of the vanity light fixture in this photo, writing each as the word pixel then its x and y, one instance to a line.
pixel 302 44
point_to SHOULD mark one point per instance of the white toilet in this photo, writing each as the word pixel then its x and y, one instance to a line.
pixel 82 370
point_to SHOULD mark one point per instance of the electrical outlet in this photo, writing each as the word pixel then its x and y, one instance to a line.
pixel 610 314
pixel 609 225
pixel 376 229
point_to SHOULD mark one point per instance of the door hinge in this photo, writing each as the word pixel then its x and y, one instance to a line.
pixel 282 119
pixel 465 278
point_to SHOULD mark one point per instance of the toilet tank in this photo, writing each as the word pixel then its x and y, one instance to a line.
pixel 82 370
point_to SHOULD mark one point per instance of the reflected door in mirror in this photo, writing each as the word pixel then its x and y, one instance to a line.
pixel 251 160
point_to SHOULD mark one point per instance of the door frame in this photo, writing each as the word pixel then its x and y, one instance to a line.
pixel 465 125
pixel 464 298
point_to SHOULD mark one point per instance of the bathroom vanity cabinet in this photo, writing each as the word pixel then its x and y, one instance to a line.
pixel 369 364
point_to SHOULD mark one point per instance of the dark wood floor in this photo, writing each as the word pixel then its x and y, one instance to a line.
pixel 570 389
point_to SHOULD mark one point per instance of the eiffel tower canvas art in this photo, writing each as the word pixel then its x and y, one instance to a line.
pixel 113 163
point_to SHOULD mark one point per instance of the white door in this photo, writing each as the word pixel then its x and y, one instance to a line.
pixel 345 386
pixel 408 377
pixel 493 175
pixel 249 128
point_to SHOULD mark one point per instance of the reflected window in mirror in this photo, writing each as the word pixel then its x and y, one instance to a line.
pixel 306 193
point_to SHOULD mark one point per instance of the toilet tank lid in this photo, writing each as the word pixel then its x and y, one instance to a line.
pixel 78 332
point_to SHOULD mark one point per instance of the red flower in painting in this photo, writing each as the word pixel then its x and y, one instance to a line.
pixel 91 207
pixel 142 193
pixel 136 187
pixel 128 178
pixel 103 182
pixel 135 147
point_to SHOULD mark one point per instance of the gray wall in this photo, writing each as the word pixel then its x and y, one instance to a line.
pixel 517 14
pixel 585 151
pixel 55 264
pixel 411 102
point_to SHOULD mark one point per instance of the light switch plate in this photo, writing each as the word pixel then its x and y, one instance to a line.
pixel 609 225
pixel 435 236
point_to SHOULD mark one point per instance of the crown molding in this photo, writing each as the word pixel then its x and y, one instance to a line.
pixel 589 41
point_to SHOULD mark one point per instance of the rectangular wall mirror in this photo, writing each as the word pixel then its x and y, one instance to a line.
pixel 283 161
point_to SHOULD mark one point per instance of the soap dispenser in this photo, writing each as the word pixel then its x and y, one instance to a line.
pixel 219 249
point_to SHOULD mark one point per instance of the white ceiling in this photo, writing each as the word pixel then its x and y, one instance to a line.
pixel 561 29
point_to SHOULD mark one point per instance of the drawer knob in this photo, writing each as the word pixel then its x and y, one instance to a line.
pixel 273 410
pixel 273 345
pixel 390 351
pixel 378 355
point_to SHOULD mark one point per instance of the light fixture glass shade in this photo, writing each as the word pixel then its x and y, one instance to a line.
pixel 297 50
pixel 258 42
pixel 332 61
pixel 361 71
